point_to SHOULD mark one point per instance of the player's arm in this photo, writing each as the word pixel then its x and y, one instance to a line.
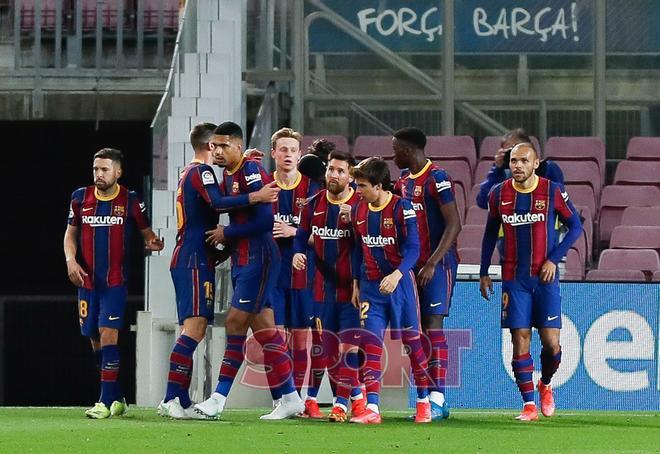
pixel 444 197
pixel 357 258
pixel 569 217
pixel 206 184
pixel 488 243
pixel 302 237
pixel 74 270
pixel 138 211
pixel 409 246
pixel 496 175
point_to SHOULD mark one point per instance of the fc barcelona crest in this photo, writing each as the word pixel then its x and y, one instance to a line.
pixel 234 187
pixel 388 223
pixel 417 191
pixel 118 210
pixel 539 204
pixel 300 202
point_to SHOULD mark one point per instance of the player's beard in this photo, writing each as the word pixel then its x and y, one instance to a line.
pixel 335 188
pixel 102 185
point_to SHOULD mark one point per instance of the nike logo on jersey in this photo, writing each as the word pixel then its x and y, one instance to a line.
pixel 316 213
pixel 435 304
pixel 360 222
pixel 242 301
pixel 87 209
pixel 507 203
pixel 553 318
pixel 112 319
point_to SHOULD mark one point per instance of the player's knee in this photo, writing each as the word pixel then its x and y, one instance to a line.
pixel 235 323
pixel 109 336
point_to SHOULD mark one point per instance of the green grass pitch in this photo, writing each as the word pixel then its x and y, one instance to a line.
pixel 53 430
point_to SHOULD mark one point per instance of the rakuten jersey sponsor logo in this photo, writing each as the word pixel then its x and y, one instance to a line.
pixel 102 221
pixel 523 219
pixel 287 218
pixel 326 233
pixel 378 241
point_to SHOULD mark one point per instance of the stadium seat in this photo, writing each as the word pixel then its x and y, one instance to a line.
pixel 483 167
pixel 471 236
pixel 629 259
pixel 367 146
pixel 28 15
pixel 395 172
pixel 340 142
pixel 638 172
pixel 574 267
pixel 588 226
pixel 616 276
pixel 656 276
pixel 616 198
pixel 635 237
pixel 583 173
pixel 643 149
pixel 641 216
pixel 170 14
pixel 458 171
pixel 452 147
pixel 472 199
pixel 476 216
pixel 490 145
pixel 472 256
pixel 459 195
pixel 577 149
pixel 109 14
pixel 582 195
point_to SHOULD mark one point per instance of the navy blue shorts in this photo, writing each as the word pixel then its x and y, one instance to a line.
pixel 527 303
pixel 435 297
pixel 254 283
pixel 341 319
pixel 101 308
pixel 195 292
pixel 400 309
pixel 293 308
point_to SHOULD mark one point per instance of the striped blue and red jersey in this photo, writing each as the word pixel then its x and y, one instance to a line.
pixel 333 244
pixel 251 227
pixel 386 238
pixel 198 201
pixel 427 191
pixel 105 228
pixel 288 208
pixel 527 217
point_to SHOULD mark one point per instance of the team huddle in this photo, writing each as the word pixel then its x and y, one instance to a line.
pixel 342 255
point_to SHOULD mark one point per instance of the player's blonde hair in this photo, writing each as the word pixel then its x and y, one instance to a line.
pixel 285 133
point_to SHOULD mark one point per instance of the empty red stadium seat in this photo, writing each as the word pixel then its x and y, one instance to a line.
pixel 574 267
pixel 458 171
pixel 367 146
pixel 340 142
pixel 635 237
pixel 629 259
pixel 616 276
pixel 490 145
pixel 577 149
pixel 483 167
pixel 641 216
pixel 109 13
pixel 588 226
pixel 452 147
pixel 28 15
pixel 472 198
pixel 471 236
pixel 472 256
pixel 395 172
pixel 638 172
pixel 584 173
pixel 643 149
pixel 170 14
pixel 459 195
pixel 616 198
pixel 582 195
pixel 476 216
pixel 656 276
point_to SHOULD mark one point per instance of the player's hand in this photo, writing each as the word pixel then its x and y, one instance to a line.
pixel 267 194
pixel 486 287
pixel 355 297
pixel 548 271
pixel 389 282
pixel 253 153
pixel 76 274
pixel 155 244
pixel 216 236
pixel 499 157
pixel 425 274
pixel 219 255
pixel 283 230
pixel 299 261
pixel 345 212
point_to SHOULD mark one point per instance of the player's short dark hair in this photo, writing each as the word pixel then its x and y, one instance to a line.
pixel 519 134
pixel 322 148
pixel 201 134
pixel 374 170
pixel 229 128
pixel 110 153
pixel 413 136
pixel 341 155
